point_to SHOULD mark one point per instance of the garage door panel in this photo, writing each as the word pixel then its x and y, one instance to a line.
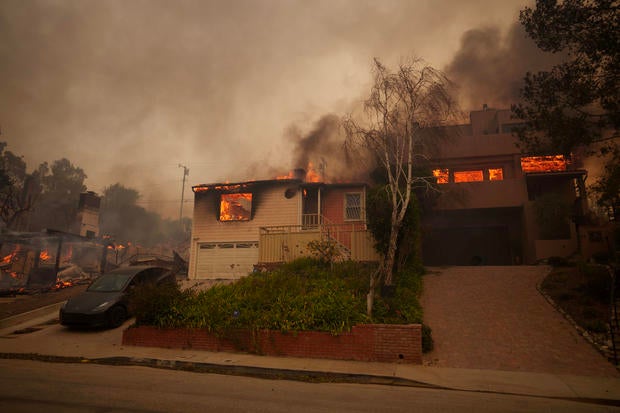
pixel 226 259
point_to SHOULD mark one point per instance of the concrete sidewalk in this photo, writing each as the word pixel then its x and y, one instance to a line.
pixel 41 339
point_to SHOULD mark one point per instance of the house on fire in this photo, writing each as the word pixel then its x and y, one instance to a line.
pixel 240 227
pixel 499 207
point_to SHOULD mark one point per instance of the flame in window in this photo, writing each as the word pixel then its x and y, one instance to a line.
pixel 468 176
pixel 496 174
pixel 442 175
pixel 555 163
pixel 236 207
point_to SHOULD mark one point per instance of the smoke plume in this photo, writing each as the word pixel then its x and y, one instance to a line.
pixel 490 66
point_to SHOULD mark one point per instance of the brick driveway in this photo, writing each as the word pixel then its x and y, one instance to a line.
pixel 495 318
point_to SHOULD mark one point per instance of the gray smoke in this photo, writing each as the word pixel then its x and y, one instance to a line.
pixel 490 66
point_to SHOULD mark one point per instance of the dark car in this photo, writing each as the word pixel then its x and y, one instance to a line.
pixel 104 303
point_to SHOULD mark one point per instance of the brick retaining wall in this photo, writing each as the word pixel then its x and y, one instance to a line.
pixel 366 342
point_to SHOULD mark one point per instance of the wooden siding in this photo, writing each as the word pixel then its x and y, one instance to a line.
pixel 269 207
pixel 363 247
pixel 292 243
pixel 285 247
pixel 332 200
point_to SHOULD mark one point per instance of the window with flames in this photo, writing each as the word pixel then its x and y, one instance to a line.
pixel 236 207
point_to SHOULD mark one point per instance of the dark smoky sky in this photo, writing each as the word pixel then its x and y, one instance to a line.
pixel 130 89
pixel 490 65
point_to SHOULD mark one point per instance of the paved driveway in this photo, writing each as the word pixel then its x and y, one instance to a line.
pixel 495 318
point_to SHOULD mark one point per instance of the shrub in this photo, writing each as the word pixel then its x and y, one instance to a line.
pixel 596 326
pixel 326 251
pixel 303 295
pixel 403 307
pixel 597 281
pixel 151 303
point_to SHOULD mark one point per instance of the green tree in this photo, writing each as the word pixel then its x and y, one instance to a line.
pixel 124 220
pixel 18 190
pixel 61 186
pixel 576 104
pixel 408 241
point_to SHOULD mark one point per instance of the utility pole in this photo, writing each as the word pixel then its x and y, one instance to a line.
pixel 185 173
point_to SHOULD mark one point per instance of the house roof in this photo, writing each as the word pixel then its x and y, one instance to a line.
pixel 573 173
pixel 248 185
pixel 239 186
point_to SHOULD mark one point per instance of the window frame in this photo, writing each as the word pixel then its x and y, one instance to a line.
pixel 347 207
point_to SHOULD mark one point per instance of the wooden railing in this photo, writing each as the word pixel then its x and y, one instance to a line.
pixel 287 242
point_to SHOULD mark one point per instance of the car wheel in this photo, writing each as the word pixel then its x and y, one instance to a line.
pixel 116 316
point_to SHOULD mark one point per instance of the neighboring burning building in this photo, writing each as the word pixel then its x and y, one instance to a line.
pixel 239 227
pixel 499 207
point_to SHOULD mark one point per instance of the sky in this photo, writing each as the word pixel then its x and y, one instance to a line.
pixel 129 90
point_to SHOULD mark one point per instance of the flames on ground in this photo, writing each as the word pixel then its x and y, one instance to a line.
pixel 32 268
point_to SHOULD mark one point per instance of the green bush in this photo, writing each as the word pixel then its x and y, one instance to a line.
pixel 304 295
pixel 404 306
pixel 151 303
pixel 597 281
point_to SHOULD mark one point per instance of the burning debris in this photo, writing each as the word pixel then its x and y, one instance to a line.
pixel 37 262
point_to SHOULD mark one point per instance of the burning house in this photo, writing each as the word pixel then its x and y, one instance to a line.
pixel 46 260
pixel 498 207
pixel 239 227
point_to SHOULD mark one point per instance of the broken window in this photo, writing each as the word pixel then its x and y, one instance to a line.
pixel 555 163
pixel 353 206
pixel 468 176
pixel 496 174
pixel 236 207
pixel 442 175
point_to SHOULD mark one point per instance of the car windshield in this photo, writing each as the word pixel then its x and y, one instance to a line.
pixel 110 283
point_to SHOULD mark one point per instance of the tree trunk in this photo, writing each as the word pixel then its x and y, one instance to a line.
pixel 370 297
pixel 388 265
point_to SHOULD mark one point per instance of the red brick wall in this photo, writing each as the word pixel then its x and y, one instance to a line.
pixel 367 342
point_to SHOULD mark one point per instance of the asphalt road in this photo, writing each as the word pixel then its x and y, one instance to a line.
pixel 28 386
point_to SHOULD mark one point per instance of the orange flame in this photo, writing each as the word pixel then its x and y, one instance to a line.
pixel 468 176
pixel 311 174
pixel 9 258
pixel 45 256
pixel 235 207
pixel 442 175
pixel 555 163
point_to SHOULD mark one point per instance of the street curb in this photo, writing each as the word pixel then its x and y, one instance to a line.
pixel 307 376
pixel 50 310
pixel 212 368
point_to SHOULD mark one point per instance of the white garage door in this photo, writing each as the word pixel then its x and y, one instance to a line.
pixel 226 259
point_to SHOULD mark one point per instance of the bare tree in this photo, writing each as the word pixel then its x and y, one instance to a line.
pixel 404 108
